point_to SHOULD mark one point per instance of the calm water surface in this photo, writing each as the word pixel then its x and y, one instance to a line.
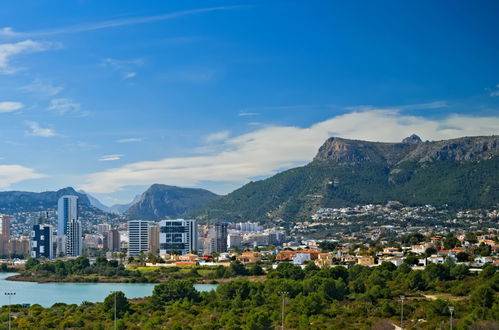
pixel 47 294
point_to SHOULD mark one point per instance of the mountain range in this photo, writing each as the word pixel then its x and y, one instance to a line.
pixel 461 173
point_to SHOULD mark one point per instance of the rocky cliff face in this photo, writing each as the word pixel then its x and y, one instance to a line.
pixel 410 149
pixel 162 201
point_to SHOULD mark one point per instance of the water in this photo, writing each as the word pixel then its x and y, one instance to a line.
pixel 47 294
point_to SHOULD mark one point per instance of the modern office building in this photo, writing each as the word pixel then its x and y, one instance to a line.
pixel 42 241
pixel 5 226
pixel 178 235
pixel 153 237
pixel 111 240
pixel 74 241
pixel 138 241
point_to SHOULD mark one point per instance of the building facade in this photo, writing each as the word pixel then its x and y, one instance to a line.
pixel 112 240
pixel 178 235
pixel 67 210
pixel 5 226
pixel 153 236
pixel 138 241
pixel 220 237
pixel 42 241
pixel 74 240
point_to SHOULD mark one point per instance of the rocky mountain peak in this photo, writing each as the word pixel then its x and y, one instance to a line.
pixel 412 139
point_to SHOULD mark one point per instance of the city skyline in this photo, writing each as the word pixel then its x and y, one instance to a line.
pixel 112 100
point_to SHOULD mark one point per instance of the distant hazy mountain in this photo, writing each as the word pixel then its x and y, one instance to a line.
pixel 23 201
pixel 95 202
pixel 122 208
pixel 160 201
pixel 463 173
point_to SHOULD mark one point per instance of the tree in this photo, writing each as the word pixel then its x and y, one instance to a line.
pixel 166 293
pixel 451 242
pixel 459 272
pixel 429 251
pixel 238 268
pixel 462 256
pixel 327 246
pixel 122 304
pixel 32 262
pixel 483 297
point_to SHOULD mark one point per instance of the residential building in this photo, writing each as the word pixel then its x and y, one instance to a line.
pixel 42 241
pixel 111 241
pixel 67 210
pixel 137 237
pixel 74 240
pixel 103 228
pixel 153 238
pixel 220 237
pixel 5 226
pixel 234 241
pixel 178 236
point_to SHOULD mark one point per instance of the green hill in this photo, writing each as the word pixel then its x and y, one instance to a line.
pixel 463 173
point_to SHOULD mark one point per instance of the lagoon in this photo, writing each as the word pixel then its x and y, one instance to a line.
pixel 47 294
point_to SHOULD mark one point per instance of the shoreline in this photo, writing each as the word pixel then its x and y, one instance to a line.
pixel 20 278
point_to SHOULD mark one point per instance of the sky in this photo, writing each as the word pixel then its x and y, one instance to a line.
pixel 111 97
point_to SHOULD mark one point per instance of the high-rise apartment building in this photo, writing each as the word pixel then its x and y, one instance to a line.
pixel 178 235
pixel 137 237
pixel 67 209
pixel 221 237
pixel 153 237
pixel 74 241
pixel 42 242
pixel 5 226
pixel 102 228
pixel 112 240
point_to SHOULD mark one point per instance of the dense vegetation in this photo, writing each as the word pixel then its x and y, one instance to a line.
pixel 298 192
pixel 81 270
pixel 327 298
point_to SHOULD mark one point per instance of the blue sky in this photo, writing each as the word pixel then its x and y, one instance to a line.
pixel 112 97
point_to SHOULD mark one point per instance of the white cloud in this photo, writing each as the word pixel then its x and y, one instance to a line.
pixel 129 140
pixel 63 106
pixel 110 158
pixel 7 51
pixel 37 130
pixel 9 32
pixel 10 174
pixel 217 137
pixel 129 75
pixel 270 149
pixel 10 106
pixel 42 87
pixel 247 114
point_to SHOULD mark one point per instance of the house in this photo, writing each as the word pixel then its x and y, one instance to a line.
pixel 394 260
pixel 419 249
pixel 285 255
pixel 324 259
pixel 365 260
pixel 435 259
pixel 301 258
pixel 249 257
pixel 188 257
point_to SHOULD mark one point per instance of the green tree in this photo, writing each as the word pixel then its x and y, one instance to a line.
pixel 462 256
pixel 482 296
pixel 122 304
pixel 166 293
pixel 32 262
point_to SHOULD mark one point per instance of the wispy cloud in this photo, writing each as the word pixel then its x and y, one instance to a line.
pixel 8 51
pixel 108 158
pixel 248 114
pixel 124 67
pixel 217 137
pixel 64 106
pixel 10 174
pixel 129 140
pixel 9 31
pixel 37 130
pixel 42 87
pixel 495 92
pixel 269 149
pixel 10 106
